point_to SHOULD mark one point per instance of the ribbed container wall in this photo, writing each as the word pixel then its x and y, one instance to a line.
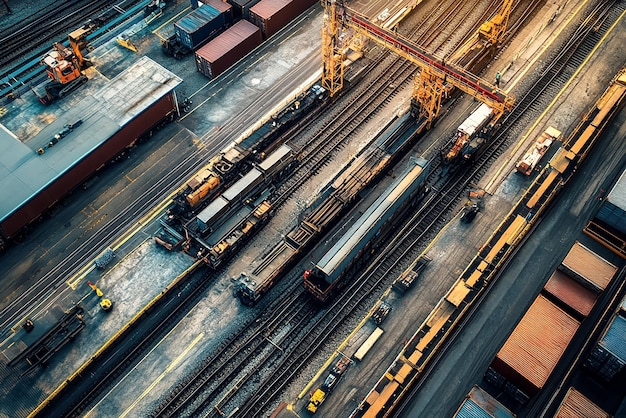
pixel 225 50
pixel 609 355
pixel 588 267
pixel 532 351
pixel 273 15
pixel 479 404
pixel 570 293
pixel 576 405
pixel 241 8
pixel 204 23
pixel 613 209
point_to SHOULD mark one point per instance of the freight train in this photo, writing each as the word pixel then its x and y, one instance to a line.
pixel 370 229
pixel 222 227
pixel 471 136
pixel 341 193
pixel 223 169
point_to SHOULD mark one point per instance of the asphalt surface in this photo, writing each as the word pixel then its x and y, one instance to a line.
pixel 467 360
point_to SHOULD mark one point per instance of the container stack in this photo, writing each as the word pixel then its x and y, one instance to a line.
pixel 204 23
pixel 588 267
pixel 273 15
pixel 235 43
pixel 527 359
pixel 241 8
pixel 576 405
pixel 609 356
pixel 478 404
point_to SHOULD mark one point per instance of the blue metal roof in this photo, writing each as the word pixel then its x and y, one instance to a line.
pixel 614 340
pixel 198 18
pixel 24 173
pixel 480 404
pixel 470 409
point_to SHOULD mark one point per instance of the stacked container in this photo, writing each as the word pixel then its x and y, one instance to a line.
pixel 241 8
pixel 576 405
pixel 218 55
pixel 204 23
pixel 273 15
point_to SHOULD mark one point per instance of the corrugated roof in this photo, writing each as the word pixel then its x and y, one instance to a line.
pixel 24 173
pixel 571 292
pixel 217 4
pixel 224 42
pixel 479 404
pixel 268 8
pixel 589 265
pixel 538 341
pixel 198 18
pixel 576 405
pixel 617 195
pixel 614 340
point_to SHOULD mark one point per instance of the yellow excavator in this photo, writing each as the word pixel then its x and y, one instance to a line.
pixel 65 65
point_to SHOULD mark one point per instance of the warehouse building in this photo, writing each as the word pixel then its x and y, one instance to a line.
pixel 37 173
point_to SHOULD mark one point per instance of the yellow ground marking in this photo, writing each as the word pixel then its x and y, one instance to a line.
pixel 169 368
pixel 170 21
pixel 552 103
pixel 128 178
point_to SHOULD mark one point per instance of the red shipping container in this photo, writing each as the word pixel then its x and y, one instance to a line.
pixel 218 55
pixel 273 15
pixel 571 293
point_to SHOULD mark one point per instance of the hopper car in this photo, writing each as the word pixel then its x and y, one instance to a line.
pixel 338 197
pixel 471 136
pixel 370 229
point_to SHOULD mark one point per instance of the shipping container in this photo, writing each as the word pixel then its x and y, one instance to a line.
pixel 480 404
pixel 576 405
pixel 588 267
pixel 571 293
pixel 204 23
pixel 241 8
pixel 226 49
pixel 609 356
pixel 532 351
pixel 612 213
pixel 273 15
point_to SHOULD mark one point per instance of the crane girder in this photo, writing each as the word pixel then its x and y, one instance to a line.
pixel 435 74
pixel 458 77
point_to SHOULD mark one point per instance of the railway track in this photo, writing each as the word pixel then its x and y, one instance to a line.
pixel 426 221
pixel 181 399
pixel 318 161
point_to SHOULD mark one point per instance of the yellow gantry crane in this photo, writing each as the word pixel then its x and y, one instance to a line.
pixel 492 31
pixel 435 75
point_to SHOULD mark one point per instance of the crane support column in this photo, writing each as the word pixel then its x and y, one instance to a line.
pixel 332 68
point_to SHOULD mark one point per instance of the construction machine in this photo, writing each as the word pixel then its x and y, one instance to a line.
pixel 65 65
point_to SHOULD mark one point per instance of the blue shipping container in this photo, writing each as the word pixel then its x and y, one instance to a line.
pixel 203 24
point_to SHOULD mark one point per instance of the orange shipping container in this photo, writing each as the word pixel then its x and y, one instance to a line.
pixel 571 293
pixel 583 264
pixel 576 405
pixel 534 348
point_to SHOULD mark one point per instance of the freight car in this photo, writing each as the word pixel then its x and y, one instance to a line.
pixel 470 136
pixel 37 174
pixel 330 272
pixel 341 193
pixel 224 225
pixel 213 178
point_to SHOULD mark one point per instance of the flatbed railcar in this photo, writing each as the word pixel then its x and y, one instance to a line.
pixel 341 193
pixel 470 136
pixel 330 272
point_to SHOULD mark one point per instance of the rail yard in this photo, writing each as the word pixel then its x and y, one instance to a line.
pixel 293 208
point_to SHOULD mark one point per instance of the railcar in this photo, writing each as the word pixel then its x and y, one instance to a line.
pixel 330 272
